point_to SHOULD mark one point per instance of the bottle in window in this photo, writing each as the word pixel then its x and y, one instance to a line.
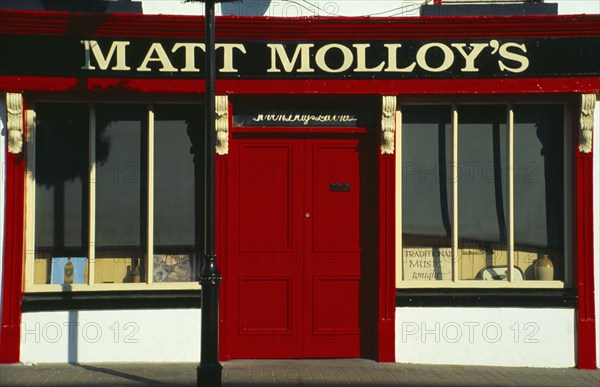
pixel 135 272
pixel 69 272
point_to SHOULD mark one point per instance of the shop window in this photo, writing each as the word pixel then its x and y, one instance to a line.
pixel 483 196
pixel 116 196
pixel 178 191
pixel 61 191
pixel 120 192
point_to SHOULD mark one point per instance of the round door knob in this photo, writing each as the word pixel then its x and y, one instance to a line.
pixel 307 215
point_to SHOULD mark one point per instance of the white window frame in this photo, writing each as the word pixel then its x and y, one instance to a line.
pixel 30 186
pixel 455 282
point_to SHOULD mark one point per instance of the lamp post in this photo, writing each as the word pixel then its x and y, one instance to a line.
pixel 209 370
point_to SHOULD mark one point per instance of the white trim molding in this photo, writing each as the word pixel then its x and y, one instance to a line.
pixel 222 124
pixel 14 122
pixel 588 103
pixel 388 124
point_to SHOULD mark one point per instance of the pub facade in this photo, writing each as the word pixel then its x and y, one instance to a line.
pixel 415 189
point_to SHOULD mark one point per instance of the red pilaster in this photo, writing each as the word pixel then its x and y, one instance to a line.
pixel 387 259
pixel 12 282
pixel 584 242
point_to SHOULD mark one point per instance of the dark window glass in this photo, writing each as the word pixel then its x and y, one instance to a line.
pixel 61 176
pixel 178 196
pixel 539 183
pixel 482 190
pixel 61 193
pixel 120 180
pixel 426 170
pixel 482 201
pixel 426 192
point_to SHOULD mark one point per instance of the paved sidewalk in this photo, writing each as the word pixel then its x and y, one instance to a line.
pixel 354 372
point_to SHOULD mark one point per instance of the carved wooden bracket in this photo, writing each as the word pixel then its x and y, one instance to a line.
pixel 586 127
pixel 222 124
pixel 14 122
pixel 388 124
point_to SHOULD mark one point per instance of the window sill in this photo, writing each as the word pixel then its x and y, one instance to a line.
pixel 124 287
pixel 478 284
pixel 111 300
pixel 486 298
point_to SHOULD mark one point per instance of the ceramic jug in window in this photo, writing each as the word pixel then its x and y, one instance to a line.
pixel 544 269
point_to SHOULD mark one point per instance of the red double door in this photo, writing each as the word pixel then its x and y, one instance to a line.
pixel 300 230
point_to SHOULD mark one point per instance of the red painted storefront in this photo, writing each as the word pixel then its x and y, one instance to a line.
pixel 372 287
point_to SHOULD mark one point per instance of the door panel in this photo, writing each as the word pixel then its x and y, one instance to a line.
pixel 330 314
pixel 257 317
pixel 265 194
pixel 335 196
pixel 264 277
pixel 332 249
pixel 293 273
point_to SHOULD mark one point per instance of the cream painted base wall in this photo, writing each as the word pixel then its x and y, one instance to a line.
pixel 513 337
pixel 165 335
pixel 466 336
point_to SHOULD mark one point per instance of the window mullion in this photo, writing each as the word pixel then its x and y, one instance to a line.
pixel 454 228
pixel 150 212
pixel 568 196
pixel 30 197
pixel 92 195
pixel 399 231
pixel 510 192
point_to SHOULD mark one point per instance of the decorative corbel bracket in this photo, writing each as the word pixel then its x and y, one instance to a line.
pixel 586 127
pixel 222 124
pixel 388 124
pixel 14 122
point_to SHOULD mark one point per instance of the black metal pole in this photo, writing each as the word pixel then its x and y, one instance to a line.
pixel 209 371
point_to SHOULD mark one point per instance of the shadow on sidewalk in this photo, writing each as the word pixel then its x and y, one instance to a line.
pixel 119 374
